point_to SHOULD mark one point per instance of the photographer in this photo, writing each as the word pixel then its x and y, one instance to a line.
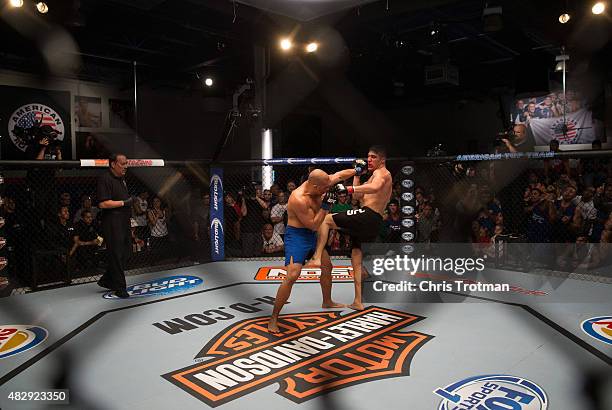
pixel 518 140
pixel 45 145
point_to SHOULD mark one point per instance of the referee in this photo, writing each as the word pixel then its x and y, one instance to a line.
pixel 116 208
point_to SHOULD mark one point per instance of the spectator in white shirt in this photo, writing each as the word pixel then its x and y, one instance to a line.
pixel 278 213
pixel 272 242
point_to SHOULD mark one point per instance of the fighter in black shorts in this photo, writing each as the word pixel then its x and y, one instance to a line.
pixel 362 224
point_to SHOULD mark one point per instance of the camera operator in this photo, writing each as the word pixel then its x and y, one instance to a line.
pixel 45 146
pixel 519 140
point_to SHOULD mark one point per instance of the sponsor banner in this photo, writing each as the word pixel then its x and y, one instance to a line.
pixel 316 353
pixel 278 273
pixel 160 287
pixel 493 392
pixel 599 328
pixel 132 163
pixel 302 161
pixel 15 339
pixel 217 237
pixel 27 115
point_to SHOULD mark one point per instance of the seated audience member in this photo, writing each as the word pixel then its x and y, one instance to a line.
pixel 564 228
pixel 553 168
pixel 85 242
pixel 605 246
pixel 158 223
pixel 139 213
pixel 86 205
pixel 593 171
pixel 272 242
pixel 427 225
pixel 586 213
pixel 343 203
pixel 541 215
pixel 580 256
pixel 392 223
pixel 290 187
pixel 278 214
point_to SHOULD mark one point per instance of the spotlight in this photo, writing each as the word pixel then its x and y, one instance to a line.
pixel 42 7
pixel 598 7
pixel 312 47
pixel 16 3
pixel 208 82
pixel 492 18
pixel 559 66
pixel 286 44
pixel 564 18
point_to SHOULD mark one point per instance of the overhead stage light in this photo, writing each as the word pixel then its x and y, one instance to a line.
pixel 598 7
pixel 312 47
pixel 16 3
pixel 286 44
pixel 208 81
pixel 42 7
pixel 564 18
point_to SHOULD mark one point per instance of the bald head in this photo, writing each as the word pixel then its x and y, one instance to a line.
pixel 318 177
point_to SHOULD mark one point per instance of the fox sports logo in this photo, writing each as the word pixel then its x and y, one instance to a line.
pixel 493 392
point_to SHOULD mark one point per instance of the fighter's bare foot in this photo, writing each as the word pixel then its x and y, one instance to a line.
pixel 332 304
pixel 273 327
pixel 356 306
pixel 313 263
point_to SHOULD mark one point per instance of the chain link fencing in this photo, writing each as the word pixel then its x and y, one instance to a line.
pixel 51 223
pixel 550 212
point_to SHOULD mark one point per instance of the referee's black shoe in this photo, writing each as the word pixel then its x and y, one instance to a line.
pixel 104 284
pixel 122 294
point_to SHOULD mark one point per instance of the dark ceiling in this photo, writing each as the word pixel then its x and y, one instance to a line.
pixel 388 42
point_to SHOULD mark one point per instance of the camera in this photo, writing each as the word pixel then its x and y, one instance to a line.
pixel 36 133
pixel 507 134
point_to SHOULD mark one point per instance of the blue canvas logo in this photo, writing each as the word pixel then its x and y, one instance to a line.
pixel 217 238
pixel 493 392
pixel 160 287
pixel 600 328
pixel 15 339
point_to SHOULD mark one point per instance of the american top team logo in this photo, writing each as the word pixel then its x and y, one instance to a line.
pixel 26 121
pixel 317 353
pixel 278 273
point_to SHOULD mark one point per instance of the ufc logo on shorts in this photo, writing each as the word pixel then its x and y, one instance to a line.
pixel 354 211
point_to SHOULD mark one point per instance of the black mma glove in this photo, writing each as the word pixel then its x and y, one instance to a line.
pixel 342 189
pixel 329 200
pixel 129 201
pixel 360 166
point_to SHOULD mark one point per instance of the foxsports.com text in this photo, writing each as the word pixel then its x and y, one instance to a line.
pixel 411 265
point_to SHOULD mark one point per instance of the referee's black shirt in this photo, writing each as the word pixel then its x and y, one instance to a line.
pixel 114 188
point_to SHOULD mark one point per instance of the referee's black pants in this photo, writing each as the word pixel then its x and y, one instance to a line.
pixel 118 245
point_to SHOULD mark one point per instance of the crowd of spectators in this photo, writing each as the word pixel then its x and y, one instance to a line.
pixel 562 207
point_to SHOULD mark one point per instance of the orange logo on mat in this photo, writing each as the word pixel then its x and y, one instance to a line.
pixel 316 353
pixel 278 273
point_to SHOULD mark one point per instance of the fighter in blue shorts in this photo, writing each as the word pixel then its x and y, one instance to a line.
pixel 306 209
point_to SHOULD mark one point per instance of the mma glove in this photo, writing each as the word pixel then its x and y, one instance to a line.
pixel 329 200
pixel 343 189
pixel 360 166
pixel 129 201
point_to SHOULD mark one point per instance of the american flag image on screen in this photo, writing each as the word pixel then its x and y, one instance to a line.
pixel 36 119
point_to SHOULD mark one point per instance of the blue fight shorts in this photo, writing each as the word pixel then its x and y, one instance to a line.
pixel 300 243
